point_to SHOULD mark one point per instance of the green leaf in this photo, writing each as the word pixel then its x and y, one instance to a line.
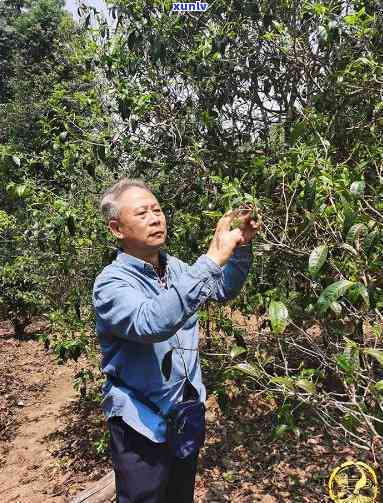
pixel 352 352
pixel 20 190
pixel 235 223
pixel 336 308
pixel 298 130
pixel 158 50
pixel 252 371
pixel 351 19
pixel 355 231
pixel 229 476
pixel 306 385
pixel 349 248
pixel 365 61
pixel 205 117
pixel 357 188
pixel 350 343
pixel 343 362
pixel 371 240
pixel 212 214
pixel 308 372
pixel 287 382
pixel 349 219
pixel 216 56
pixel 16 160
pixel 323 34
pixel 332 293
pixel 278 315
pixel 319 8
pixel 332 24
pixel 379 386
pixel 71 224
pixel 296 431
pixel 361 290
pixel 280 430
pixel 377 330
pixel 309 194
pixel 375 353
pixel 237 350
pixel 317 258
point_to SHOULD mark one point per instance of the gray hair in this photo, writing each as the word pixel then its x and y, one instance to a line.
pixel 109 201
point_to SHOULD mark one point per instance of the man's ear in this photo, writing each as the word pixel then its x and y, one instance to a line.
pixel 114 227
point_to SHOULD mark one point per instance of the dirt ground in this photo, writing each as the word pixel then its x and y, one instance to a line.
pixel 34 389
pixel 49 439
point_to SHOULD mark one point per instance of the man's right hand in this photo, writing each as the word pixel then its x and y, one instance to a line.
pixel 224 240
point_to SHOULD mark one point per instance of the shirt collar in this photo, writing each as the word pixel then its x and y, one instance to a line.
pixel 137 263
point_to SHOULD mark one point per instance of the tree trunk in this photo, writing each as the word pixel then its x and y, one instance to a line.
pixel 19 327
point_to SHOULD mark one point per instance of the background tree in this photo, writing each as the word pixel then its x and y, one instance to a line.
pixel 53 138
pixel 280 101
pixel 276 103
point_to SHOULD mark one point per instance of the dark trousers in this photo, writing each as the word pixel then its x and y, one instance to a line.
pixel 145 471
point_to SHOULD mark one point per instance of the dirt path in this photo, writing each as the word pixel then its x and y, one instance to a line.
pixel 34 391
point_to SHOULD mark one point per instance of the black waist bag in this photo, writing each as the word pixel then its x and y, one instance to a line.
pixel 186 428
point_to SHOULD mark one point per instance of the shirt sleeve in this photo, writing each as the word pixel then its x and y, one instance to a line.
pixel 234 274
pixel 122 310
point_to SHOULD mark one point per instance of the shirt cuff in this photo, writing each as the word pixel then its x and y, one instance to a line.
pixel 212 266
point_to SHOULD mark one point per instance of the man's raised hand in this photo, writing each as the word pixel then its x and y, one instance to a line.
pixel 225 240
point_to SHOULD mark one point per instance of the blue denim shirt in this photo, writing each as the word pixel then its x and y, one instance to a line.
pixel 138 322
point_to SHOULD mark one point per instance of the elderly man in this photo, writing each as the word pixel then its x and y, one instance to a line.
pixel 146 304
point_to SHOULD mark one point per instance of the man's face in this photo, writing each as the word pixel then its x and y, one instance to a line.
pixel 141 225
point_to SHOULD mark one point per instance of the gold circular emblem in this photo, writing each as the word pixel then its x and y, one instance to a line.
pixel 353 482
